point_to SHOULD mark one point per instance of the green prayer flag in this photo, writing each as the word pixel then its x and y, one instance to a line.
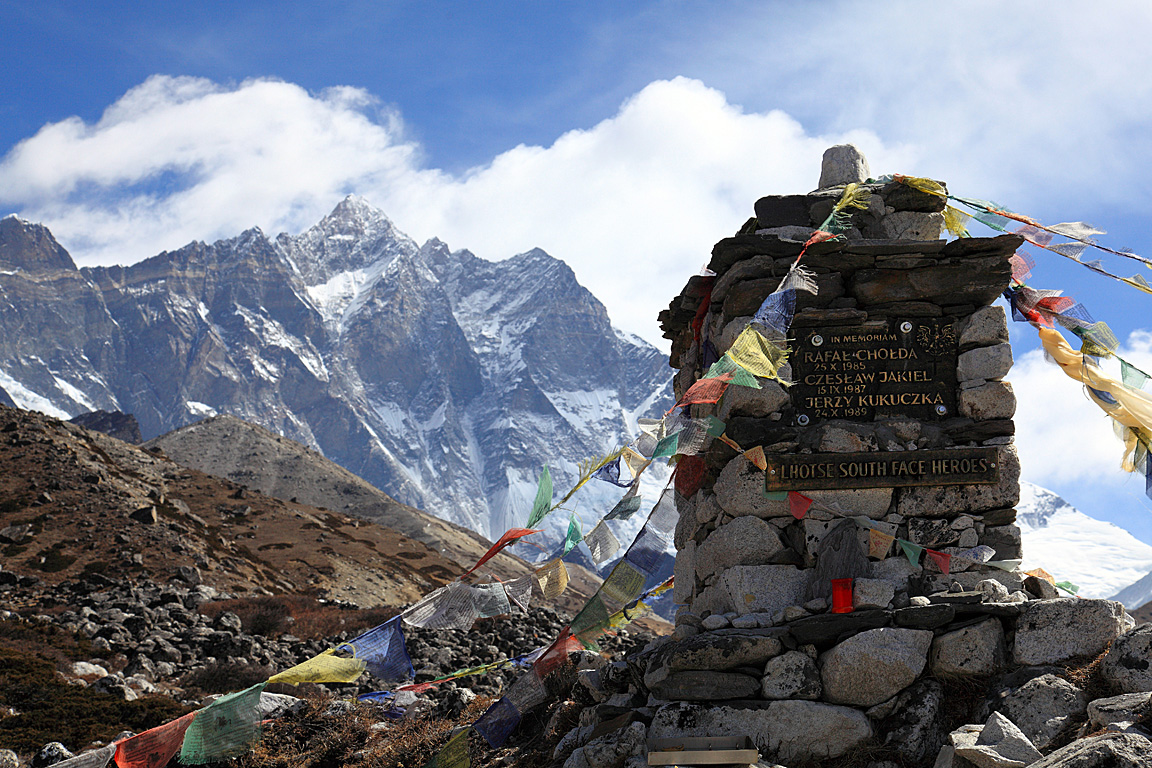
pixel 593 616
pixel 543 500
pixel 715 427
pixel 911 551
pixel 573 537
pixel 667 446
pixel 1068 586
pixel 1132 376
pixel 227 727
pixel 743 378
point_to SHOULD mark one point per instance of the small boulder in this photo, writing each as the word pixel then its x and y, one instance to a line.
pixel 1051 631
pixel 1128 665
pixel 874 666
pixel 1000 745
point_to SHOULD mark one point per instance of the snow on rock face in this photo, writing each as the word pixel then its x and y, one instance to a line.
pixel 445 380
pixel 1097 556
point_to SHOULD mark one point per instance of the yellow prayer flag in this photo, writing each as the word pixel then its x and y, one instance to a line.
pixel 324 668
pixel 757 457
pixel 1040 573
pixel 879 543
pixel 626 616
pixel 635 462
pixel 757 355
pixel 552 579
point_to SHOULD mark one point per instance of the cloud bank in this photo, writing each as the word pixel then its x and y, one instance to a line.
pixel 633 203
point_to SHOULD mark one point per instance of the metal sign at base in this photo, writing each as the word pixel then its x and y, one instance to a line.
pixel 703 750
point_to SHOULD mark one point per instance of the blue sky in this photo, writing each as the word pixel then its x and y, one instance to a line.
pixel 623 138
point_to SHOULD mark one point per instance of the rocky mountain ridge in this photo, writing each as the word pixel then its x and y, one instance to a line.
pixel 445 380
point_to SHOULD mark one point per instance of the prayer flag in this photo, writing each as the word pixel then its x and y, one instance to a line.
pixel 1068 586
pixel 610 473
pixel 664 515
pixel 666 447
pixel 635 462
pixel 450 607
pixel 623 585
pixel 552 578
pixel 757 355
pixel 798 504
pixel 601 543
pixel 879 543
pixel 498 722
pixel 911 551
pixel 592 617
pixel 627 505
pixel 490 600
pixel 573 537
pixel 520 591
pixel 543 502
pixel 647 550
pixel 510 536
pixel 1040 573
pixel 527 692
pixel 943 560
pixel 690 472
pixel 715 427
pixel 556 654
pixel 227 727
pixel 382 649
pixel 454 753
pixel 156 746
pixel 757 457
pixel 705 391
pixel 325 667
pixel 96 758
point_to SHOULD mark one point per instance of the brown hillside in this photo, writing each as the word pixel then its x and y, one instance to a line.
pixel 254 457
pixel 73 500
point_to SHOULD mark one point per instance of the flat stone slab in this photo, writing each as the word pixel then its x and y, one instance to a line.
pixel 827 628
pixel 703 685
pixel 924 616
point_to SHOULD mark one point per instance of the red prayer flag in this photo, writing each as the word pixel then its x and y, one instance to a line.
pixel 701 311
pixel 510 536
pixel 798 504
pixel 557 653
pixel 690 471
pixel 943 560
pixel 155 747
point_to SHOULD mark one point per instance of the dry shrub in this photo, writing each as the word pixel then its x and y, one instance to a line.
pixel 299 615
pixel 52 710
pixel 225 677
pixel 313 739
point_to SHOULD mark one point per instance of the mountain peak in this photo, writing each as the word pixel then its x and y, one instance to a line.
pixel 28 247
pixel 354 236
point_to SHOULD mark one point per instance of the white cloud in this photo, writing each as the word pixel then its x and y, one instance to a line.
pixel 1065 439
pixel 633 204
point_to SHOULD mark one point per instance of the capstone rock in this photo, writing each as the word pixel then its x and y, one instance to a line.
pixel 1051 631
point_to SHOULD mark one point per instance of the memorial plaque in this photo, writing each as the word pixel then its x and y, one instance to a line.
pixel 881 469
pixel 905 369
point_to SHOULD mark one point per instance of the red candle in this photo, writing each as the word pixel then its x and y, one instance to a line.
pixel 841 595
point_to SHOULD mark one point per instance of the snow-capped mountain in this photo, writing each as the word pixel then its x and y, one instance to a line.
pixel 1097 556
pixel 445 380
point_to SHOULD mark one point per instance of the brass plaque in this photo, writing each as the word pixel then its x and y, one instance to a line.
pixel 882 469
pixel 858 373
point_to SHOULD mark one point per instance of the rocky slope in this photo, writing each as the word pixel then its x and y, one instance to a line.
pixel 442 379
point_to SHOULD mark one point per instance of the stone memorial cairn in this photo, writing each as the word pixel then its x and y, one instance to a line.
pixel 898 414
